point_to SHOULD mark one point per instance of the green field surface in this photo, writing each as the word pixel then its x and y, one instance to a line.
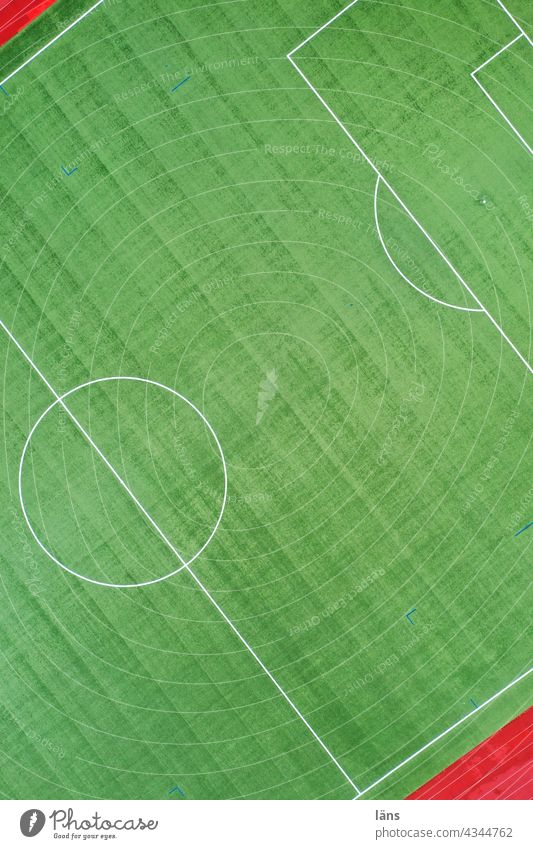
pixel 206 569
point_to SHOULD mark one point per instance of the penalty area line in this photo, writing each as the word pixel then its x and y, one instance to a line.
pixel 515 22
pixel 498 53
pixel 322 28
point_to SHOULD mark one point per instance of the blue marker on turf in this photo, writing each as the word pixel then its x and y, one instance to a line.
pixel 177 789
pixel 181 83
pixel 521 531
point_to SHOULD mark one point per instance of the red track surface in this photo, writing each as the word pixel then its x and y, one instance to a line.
pixel 499 768
pixel 17 14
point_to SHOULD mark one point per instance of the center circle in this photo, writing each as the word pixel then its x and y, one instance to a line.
pixel 73 430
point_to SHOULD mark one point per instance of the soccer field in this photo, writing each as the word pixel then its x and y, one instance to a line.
pixel 266 395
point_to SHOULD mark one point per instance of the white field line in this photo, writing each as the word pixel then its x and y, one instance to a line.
pixel 400 272
pixel 502 113
pixel 53 41
pixel 444 733
pixel 185 565
pixel 515 22
pixel 323 27
pixel 501 50
pixel 398 198
pixel 269 674
pixel 92 443
pixel 486 93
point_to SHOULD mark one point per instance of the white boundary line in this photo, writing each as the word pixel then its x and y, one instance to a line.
pixel 501 50
pixel 185 565
pixel 53 41
pixel 390 188
pixel 444 733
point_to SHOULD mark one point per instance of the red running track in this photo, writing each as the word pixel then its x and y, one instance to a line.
pixel 17 14
pixel 499 768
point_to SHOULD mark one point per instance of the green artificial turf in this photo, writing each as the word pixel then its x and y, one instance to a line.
pixel 220 239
